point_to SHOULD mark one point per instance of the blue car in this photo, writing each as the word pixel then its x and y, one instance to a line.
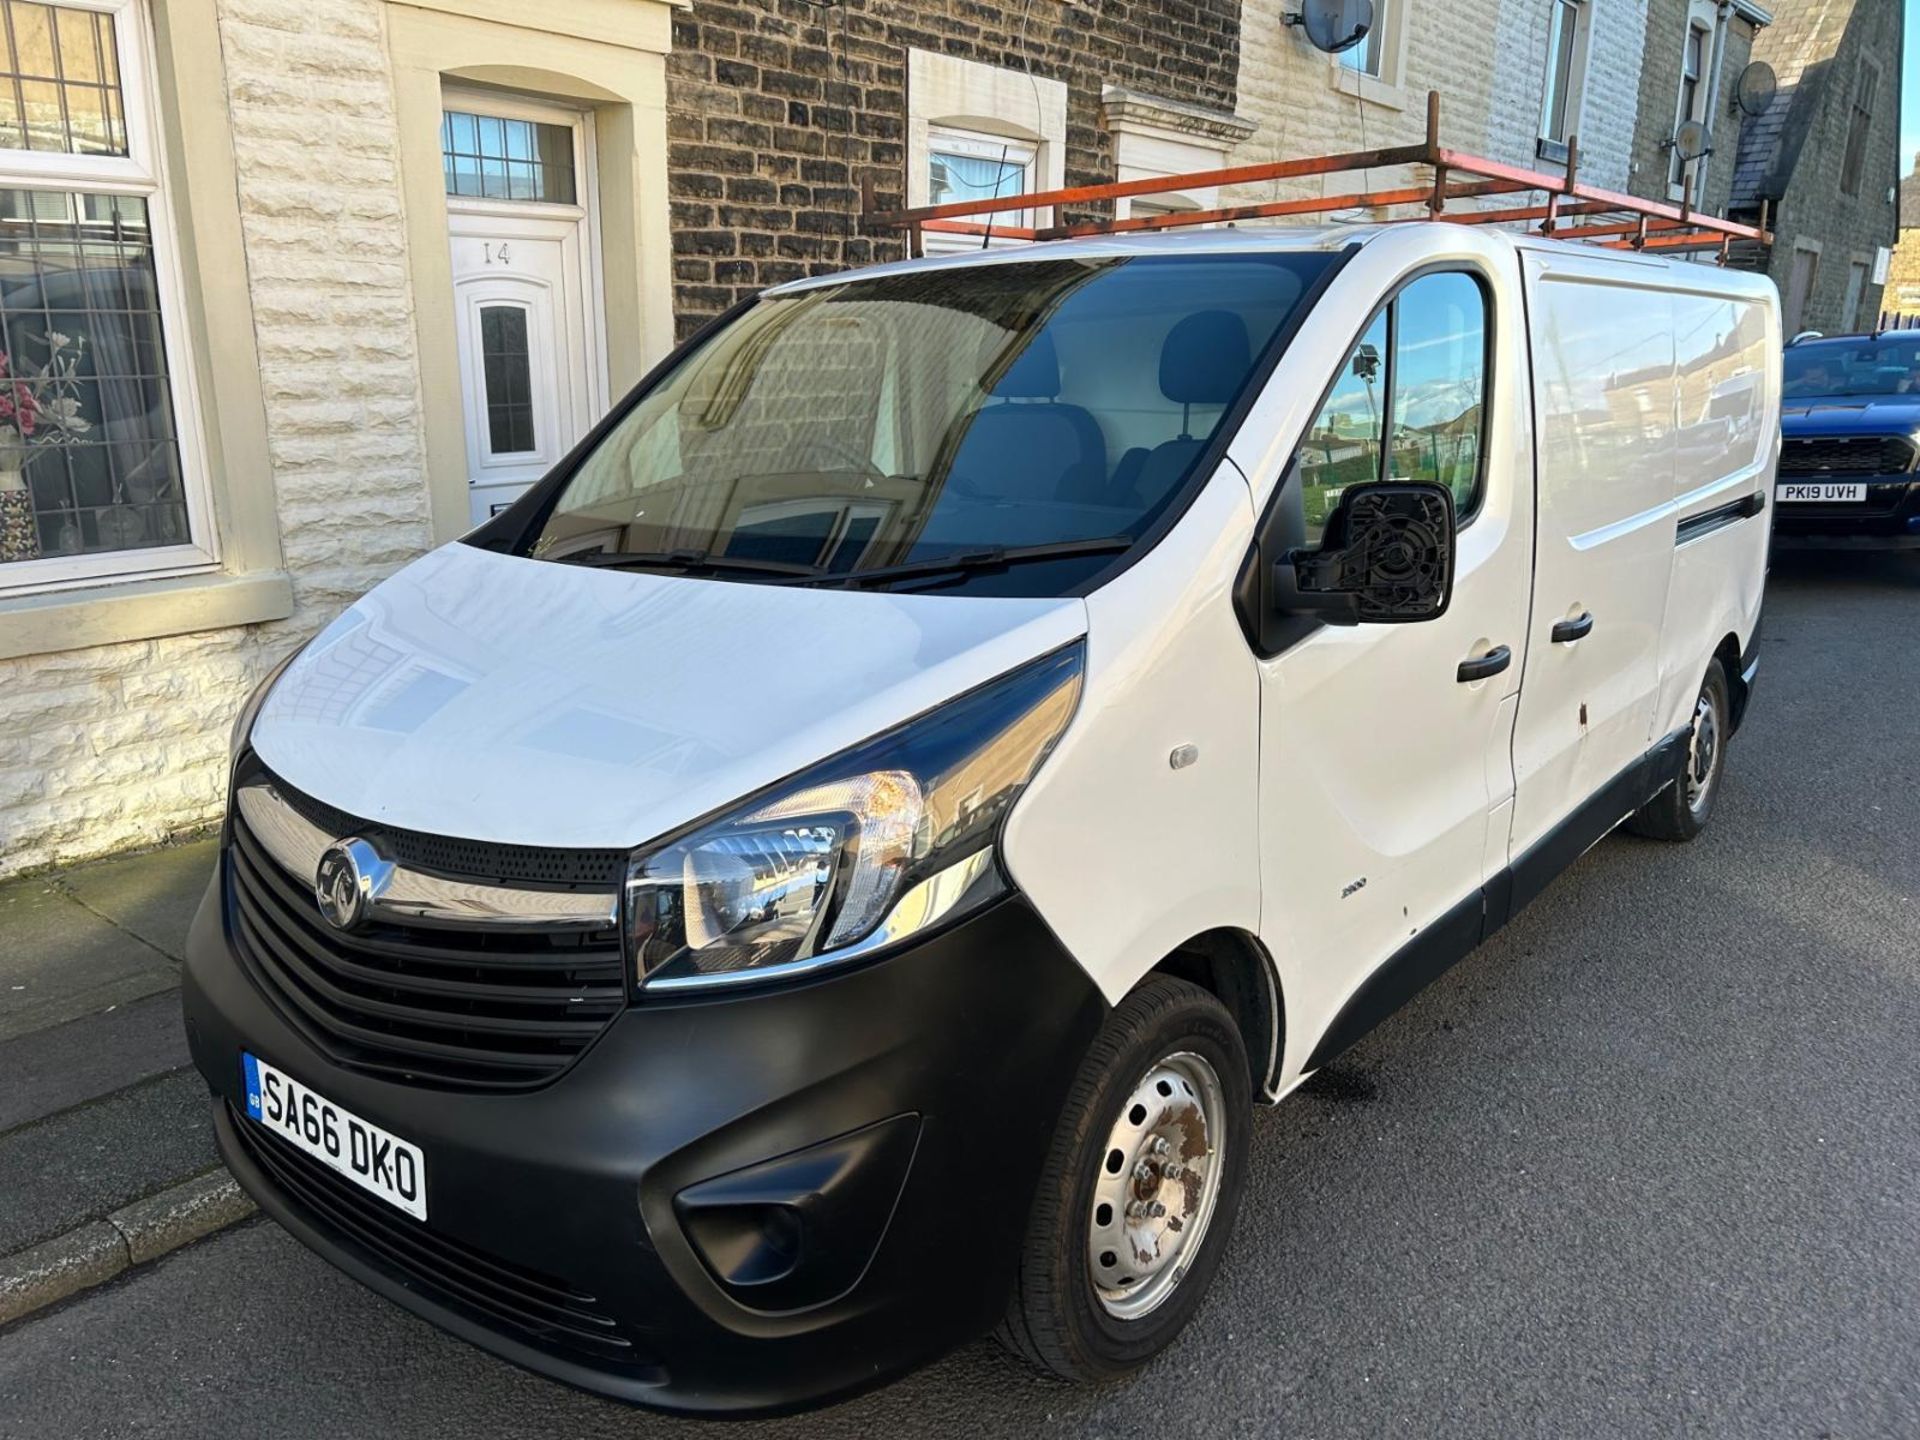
pixel 1850 424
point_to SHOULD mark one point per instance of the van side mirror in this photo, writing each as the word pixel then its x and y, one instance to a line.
pixel 1385 558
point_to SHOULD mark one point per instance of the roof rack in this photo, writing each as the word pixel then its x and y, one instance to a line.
pixel 1571 209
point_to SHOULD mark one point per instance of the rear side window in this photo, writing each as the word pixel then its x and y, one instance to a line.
pixel 1408 403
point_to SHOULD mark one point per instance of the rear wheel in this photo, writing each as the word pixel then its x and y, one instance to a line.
pixel 1681 811
pixel 1140 1188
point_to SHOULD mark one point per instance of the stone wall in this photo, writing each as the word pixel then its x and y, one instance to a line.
pixel 1303 103
pixel 778 109
pixel 1849 228
pixel 1900 300
pixel 1609 96
pixel 114 746
pixel 1659 104
pixel 1792 157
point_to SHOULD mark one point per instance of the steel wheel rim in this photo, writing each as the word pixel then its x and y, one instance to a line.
pixel 1703 749
pixel 1156 1185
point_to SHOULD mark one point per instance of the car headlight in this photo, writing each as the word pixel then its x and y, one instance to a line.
pixel 243 722
pixel 855 854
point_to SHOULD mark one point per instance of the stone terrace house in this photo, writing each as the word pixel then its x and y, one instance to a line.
pixel 1900 302
pixel 296 289
pixel 1696 52
pixel 1519 80
pixel 1825 158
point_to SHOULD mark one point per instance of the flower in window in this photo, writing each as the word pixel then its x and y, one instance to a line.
pixel 38 408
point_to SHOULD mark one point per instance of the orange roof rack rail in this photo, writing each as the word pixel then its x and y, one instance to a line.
pixel 1571 208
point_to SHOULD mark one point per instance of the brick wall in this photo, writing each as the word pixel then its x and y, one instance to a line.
pixel 777 110
pixel 109 747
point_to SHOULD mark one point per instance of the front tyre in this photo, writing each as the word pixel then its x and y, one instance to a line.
pixel 1681 811
pixel 1140 1189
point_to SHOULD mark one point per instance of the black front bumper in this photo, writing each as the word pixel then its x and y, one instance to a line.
pixel 913 1099
pixel 1887 518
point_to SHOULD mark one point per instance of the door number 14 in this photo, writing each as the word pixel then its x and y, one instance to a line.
pixel 500 254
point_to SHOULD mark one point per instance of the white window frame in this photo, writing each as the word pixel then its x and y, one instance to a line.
pixel 951 100
pixel 584 210
pixel 1573 95
pixel 1020 155
pixel 141 172
pixel 1154 139
pixel 1374 69
pixel 1703 17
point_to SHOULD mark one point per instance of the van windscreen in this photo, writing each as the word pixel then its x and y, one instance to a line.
pixel 1009 426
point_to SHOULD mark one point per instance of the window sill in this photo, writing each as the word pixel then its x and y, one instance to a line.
pixel 1370 88
pixel 140 610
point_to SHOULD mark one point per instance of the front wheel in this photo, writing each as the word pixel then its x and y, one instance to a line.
pixel 1681 811
pixel 1140 1189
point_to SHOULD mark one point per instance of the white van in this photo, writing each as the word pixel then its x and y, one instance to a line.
pixel 829 872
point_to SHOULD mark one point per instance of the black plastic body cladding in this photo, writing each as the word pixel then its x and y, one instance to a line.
pixel 561 1219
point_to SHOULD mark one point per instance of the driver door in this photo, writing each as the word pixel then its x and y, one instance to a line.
pixel 1386 779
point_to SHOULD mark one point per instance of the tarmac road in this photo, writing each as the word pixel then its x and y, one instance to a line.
pixel 1647 1164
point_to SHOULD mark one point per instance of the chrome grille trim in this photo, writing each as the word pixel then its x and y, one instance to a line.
pixel 414 896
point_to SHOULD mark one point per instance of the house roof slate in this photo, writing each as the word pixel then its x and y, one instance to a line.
pixel 1803 34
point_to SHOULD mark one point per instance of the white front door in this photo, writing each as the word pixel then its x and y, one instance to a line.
pixel 526 309
pixel 1384 775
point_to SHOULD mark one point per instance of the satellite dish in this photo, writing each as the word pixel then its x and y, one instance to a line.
pixel 1692 140
pixel 1334 25
pixel 1755 88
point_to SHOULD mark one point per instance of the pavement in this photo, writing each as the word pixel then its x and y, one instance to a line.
pixel 106 1160
pixel 1644 1165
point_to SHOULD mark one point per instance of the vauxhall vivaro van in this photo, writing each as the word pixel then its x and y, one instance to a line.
pixel 829 872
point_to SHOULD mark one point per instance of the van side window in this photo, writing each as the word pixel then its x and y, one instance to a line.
pixel 1439 384
pixel 1343 445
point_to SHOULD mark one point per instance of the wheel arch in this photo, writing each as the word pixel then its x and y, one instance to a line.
pixel 1234 967
pixel 1727 652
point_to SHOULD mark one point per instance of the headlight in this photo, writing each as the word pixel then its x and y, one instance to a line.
pixel 243 722
pixel 855 854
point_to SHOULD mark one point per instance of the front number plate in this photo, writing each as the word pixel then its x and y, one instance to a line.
pixel 1821 491
pixel 383 1164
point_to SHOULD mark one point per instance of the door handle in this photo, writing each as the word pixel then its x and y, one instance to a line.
pixel 1482 666
pixel 1566 631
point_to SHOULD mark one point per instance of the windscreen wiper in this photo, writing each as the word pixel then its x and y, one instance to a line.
pixel 969 562
pixel 692 562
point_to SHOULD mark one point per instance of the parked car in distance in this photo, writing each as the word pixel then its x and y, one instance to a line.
pixel 828 873
pixel 1850 421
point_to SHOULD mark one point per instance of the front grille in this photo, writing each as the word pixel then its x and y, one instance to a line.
pixel 544 1312
pixel 1867 455
pixel 478 860
pixel 460 1008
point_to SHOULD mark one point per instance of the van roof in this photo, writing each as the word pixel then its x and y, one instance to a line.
pixel 1262 239
pixel 1251 240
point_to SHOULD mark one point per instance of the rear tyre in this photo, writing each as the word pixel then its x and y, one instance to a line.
pixel 1681 811
pixel 1140 1188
